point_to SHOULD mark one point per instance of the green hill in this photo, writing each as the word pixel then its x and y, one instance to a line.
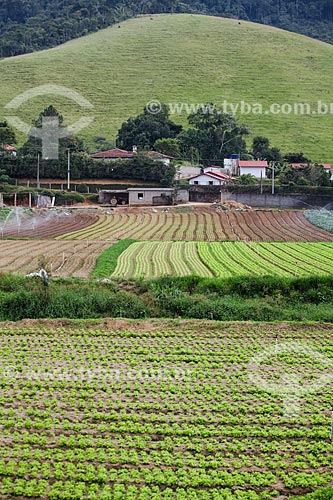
pixel 184 58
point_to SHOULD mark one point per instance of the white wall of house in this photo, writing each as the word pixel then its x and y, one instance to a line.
pixel 256 172
pixel 166 161
pixel 204 180
pixel 329 171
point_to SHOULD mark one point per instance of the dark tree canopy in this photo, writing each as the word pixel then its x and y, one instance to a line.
pixel 296 158
pixel 311 175
pixel 7 134
pixel 144 130
pixel 261 150
pixel 213 135
pixel 29 25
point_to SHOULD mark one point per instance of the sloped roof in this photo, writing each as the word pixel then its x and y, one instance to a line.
pixel 7 147
pixel 327 166
pixel 213 175
pixel 156 154
pixel 253 164
pixel 113 154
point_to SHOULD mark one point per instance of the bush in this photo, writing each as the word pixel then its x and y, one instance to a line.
pixel 73 301
pixel 82 188
pixel 63 198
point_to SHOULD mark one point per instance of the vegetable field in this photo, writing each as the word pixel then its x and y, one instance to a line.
pixel 320 218
pixel 202 225
pixel 160 411
pixel 64 258
pixel 23 223
pixel 225 259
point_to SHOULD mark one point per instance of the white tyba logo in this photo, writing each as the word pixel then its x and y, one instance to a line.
pixel 291 386
pixel 51 132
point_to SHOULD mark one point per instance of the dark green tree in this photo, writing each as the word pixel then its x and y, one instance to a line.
pixel 169 147
pixel 296 158
pixel 261 150
pixel 311 175
pixel 144 130
pixel 27 155
pixel 7 134
pixel 214 134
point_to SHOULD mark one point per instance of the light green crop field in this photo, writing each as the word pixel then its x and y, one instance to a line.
pixel 184 59
pixel 224 260
pixel 163 410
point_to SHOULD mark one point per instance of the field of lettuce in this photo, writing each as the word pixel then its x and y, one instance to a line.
pixel 164 410
pixel 320 218
pixel 225 259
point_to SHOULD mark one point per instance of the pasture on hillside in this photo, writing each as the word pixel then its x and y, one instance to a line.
pixel 189 59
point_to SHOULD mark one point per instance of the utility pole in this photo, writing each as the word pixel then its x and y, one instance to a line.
pixel 69 170
pixel 38 169
pixel 273 178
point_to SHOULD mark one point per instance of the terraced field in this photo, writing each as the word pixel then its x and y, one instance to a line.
pixel 225 259
pixel 64 258
pixel 142 411
pixel 202 225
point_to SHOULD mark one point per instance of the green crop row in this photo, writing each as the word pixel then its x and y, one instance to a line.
pixel 320 218
pixel 224 259
pixel 164 410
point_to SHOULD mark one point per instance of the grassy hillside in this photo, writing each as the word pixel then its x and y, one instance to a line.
pixel 184 58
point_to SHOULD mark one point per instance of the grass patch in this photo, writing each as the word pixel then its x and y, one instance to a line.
pixel 107 261
pixel 246 299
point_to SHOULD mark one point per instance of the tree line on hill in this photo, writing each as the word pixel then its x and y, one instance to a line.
pixel 31 25
pixel 210 138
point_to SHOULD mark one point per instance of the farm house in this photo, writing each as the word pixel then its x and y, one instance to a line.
pixel 210 178
pixel 255 167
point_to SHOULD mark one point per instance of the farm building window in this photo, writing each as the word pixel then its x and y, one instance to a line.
pixel 140 196
pixel 196 182
pixel 211 183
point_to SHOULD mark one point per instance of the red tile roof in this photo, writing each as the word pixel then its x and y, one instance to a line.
pixel 114 154
pixel 252 164
pixel 215 175
pixel 327 166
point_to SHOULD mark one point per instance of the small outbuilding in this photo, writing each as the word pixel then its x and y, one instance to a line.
pixel 150 196
pixel 113 197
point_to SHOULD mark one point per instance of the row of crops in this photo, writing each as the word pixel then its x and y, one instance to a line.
pixel 202 225
pixel 320 218
pixel 165 413
pixel 224 259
